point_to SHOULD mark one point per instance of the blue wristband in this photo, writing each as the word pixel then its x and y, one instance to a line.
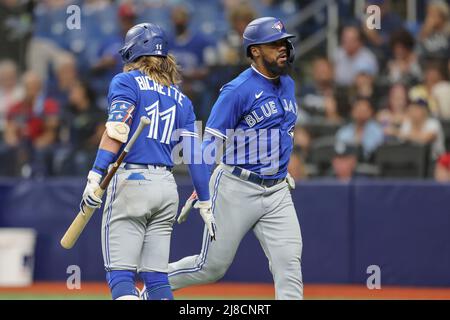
pixel 103 160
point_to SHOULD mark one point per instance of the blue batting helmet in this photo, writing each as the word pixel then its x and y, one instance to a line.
pixel 144 39
pixel 265 30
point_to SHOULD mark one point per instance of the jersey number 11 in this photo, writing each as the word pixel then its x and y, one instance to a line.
pixel 167 118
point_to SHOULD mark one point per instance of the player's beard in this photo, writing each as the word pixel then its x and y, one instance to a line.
pixel 275 68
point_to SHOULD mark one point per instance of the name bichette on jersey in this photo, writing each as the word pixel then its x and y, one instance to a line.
pixel 146 83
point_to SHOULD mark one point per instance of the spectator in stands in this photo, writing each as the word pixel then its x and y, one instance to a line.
pixel 351 54
pixel 378 39
pixel 419 127
pixel 49 39
pixel 11 92
pixel 434 73
pixel 302 141
pixel 434 36
pixel 32 126
pixel 108 62
pixel 332 115
pixel 442 168
pixel 15 29
pixel 84 126
pixel 363 131
pixel 66 73
pixel 300 154
pixel 393 115
pixel 344 162
pixel 230 50
pixel 297 167
pixel 323 77
pixel 192 50
pixel 364 85
pixel 441 95
pixel 404 65
pixel 86 120
pixel 318 98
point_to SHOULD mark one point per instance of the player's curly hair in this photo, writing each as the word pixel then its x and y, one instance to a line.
pixel 163 70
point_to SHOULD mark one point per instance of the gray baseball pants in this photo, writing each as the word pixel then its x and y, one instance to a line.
pixel 239 206
pixel 140 209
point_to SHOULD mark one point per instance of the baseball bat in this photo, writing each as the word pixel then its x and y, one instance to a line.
pixel 80 221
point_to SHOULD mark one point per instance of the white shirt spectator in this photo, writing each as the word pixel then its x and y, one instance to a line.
pixel 347 67
pixel 441 94
pixel 431 125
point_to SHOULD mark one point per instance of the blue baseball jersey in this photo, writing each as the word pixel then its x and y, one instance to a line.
pixel 133 95
pixel 256 116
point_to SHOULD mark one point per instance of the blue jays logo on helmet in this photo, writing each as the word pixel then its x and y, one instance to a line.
pixel 266 30
pixel 144 39
pixel 278 26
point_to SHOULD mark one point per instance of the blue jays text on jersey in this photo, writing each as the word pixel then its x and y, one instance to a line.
pixel 256 117
pixel 132 95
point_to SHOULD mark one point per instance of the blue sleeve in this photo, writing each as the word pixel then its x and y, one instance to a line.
pixel 192 154
pixel 188 127
pixel 209 151
pixel 200 179
pixel 225 114
pixel 122 98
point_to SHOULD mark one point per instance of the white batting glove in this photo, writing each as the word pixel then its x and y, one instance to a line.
pixel 89 197
pixel 207 216
pixel 290 181
pixel 187 207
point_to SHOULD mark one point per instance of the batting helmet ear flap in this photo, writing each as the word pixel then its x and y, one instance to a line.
pixel 126 52
pixel 290 51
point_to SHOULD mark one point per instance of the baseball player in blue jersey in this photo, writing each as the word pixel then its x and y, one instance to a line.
pixel 142 198
pixel 254 119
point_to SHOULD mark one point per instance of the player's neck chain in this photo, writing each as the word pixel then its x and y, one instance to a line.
pixel 257 71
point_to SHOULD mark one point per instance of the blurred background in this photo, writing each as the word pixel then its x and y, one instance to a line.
pixel 372 136
pixel 383 94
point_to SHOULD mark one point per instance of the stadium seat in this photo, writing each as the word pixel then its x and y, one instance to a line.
pixel 403 160
pixel 321 154
pixel 321 129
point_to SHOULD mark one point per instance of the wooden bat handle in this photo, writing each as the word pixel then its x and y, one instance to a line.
pixel 80 221
pixel 73 232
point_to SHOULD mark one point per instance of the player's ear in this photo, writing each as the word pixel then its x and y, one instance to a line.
pixel 255 51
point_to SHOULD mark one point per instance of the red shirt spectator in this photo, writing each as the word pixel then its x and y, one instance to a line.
pixel 29 123
pixel 34 119
pixel 442 169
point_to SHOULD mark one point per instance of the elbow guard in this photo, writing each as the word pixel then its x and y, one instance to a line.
pixel 118 131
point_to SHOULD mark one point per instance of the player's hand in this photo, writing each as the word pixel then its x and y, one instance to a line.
pixel 89 198
pixel 187 207
pixel 290 181
pixel 207 216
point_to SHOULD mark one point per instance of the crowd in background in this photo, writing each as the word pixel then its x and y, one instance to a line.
pixel 379 92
